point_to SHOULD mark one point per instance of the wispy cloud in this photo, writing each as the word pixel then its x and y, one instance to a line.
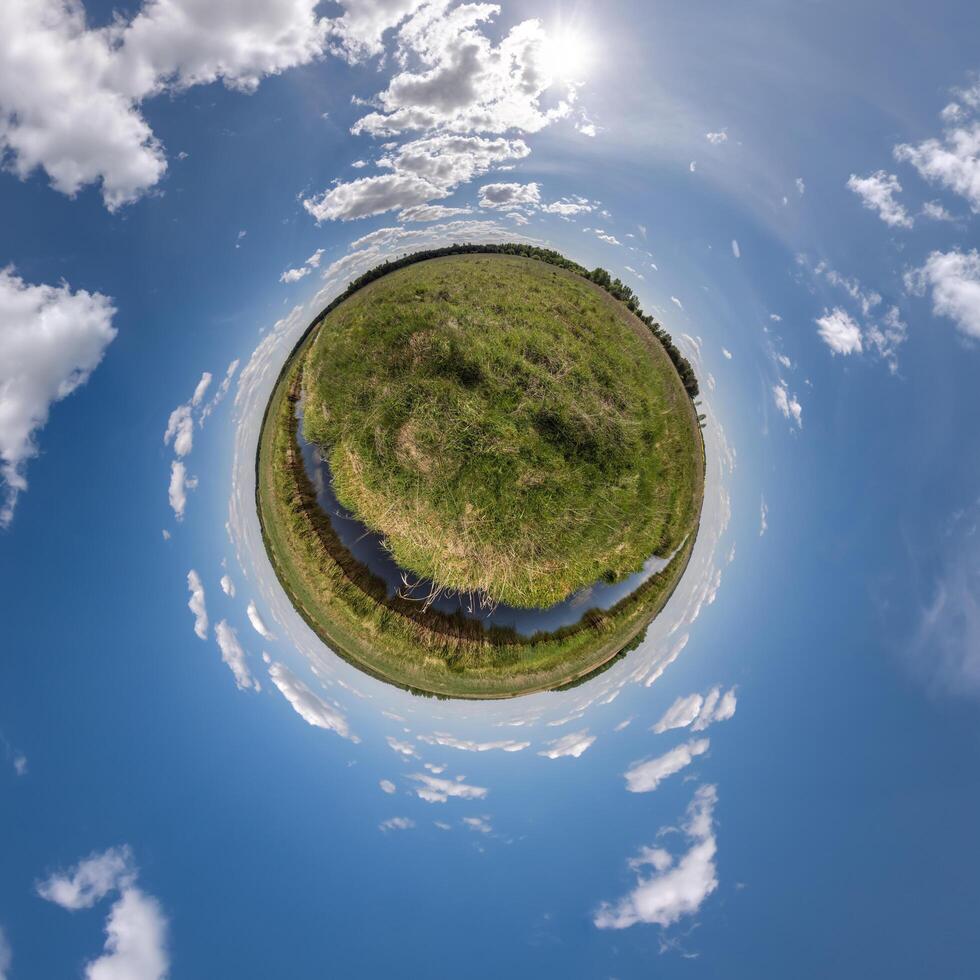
pixel 644 777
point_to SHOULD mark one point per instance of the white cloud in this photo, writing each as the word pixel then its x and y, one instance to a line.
pixel 201 389
pixel 675 888
pixel 787 403
pixel 716 139
pixel 450 741
pixel 359 31
pixel 677 302
pixel 510 195
pixel 568 206
pixel 716 707
pixel 763 517
pixel 839 332
pixel 680 714
pixel 90 880
pixel 387 786
pixel 952 162
pixel 136 929
pixel 727 354
pixel 70 95
pixel 643 777
pixel 180 430
pixel 460 91
pixel 257 624
pixel 573 744
pixel 196 604
pixel 234 656
pixel 432 789
pixel 309 706
pixel 20 764
pixel 6 956
pixel 934 211
pixel 954 280
pixel 294 275
pixel 800 186
pixel 136 941
pixel 402 748
pixel 220 393
pixel 372 195
pixel 51 340
pixel 480 825
pixel 180 483
pixel 736 251
pixel 431 212
pixel 228 586
pixel 396 823
pixel 878 191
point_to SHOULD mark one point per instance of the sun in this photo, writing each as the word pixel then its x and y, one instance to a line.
pixel 568 55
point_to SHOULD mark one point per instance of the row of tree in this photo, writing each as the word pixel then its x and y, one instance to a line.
pixel 600 277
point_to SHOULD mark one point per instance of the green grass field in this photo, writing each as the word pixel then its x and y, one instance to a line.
pixel 457 368
pixel 502 424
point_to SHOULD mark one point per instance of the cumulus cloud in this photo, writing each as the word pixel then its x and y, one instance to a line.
pixel 70 95
pixel 787 403
pixel 294 275
pixel 180 430
pixel 644 777
pixel 676 887
pixel 680 714
pixel 953 279
pixel 234 656
pixel 727 354
pixel 136 941
pixel 387 786
pixel 456 88
pixel 219 395
pixel 358 33
pixel 800 186
pixel 51 340
pixel 196 604
pixel 257 624
pixel 433 789
pixel 309 706
pixel 952 160
pixel 716 707
pixel 136 928
pixel 431 212
pixel 228 586
pixel 573 744
pixel 506 196
pixel 877 192
pixel 839 332
pixel 568 206
pixel 466 745
pixel 90 880
pixel 180 483
pixel 716 139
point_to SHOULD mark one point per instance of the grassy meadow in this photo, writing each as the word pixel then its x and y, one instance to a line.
pixel 452 392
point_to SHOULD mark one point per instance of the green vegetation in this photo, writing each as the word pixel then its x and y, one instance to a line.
pixel 508 426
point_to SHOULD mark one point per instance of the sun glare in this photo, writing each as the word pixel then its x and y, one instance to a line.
pixel 568 55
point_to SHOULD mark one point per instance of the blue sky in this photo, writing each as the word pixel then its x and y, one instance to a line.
pixel 208 791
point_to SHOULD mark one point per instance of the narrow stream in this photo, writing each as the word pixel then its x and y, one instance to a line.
pixel 368 547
